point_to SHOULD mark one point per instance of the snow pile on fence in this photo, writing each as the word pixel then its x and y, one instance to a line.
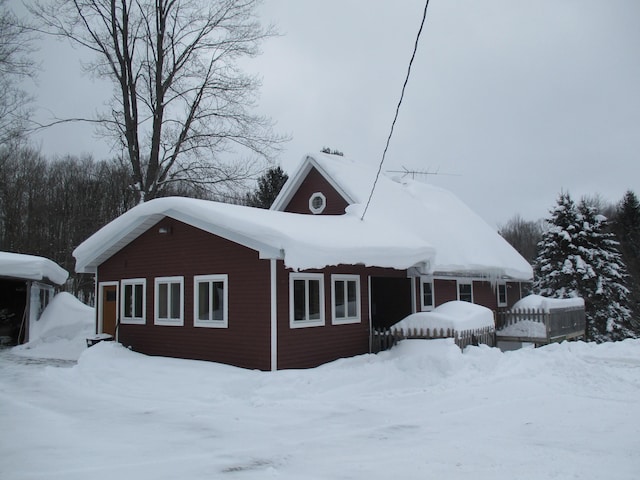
pixel 538 302
pixel 451 317
pixel 61 331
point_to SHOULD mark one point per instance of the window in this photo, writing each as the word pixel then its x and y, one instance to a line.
pixel 169 301
pixel 132 308
pixel 210 301
pixel 306 300
pixel 317 203
pixel 345 299
pixel 427 294
pixel 465 291
pixel 502 295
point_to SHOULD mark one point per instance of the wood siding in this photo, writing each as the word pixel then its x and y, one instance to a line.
pixel 313 346
pixel 187 251
pixel 315 182
pixel 444 291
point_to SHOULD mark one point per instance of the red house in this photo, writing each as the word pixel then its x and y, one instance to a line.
pixel 296 286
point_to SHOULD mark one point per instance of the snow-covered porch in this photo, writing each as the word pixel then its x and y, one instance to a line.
pixel 542 321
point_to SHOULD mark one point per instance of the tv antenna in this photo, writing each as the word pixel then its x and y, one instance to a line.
pixel 418 173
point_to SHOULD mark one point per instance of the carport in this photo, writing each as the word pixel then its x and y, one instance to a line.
pixel 27 284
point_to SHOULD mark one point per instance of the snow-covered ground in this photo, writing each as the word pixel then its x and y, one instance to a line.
pixel 422 410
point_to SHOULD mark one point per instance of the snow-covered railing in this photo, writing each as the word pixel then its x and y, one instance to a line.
pixel 384 339
pixel 540 326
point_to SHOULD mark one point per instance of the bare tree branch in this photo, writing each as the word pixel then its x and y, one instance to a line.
pixel 180 101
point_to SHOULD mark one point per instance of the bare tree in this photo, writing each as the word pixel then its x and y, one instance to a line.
pixel 15 66
pixel 523 235
pixel 180 101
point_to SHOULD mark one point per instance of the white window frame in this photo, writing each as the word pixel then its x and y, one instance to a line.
pixel 319 322
pixel 464 282
pixel 423 306
pixel 177 321
pixel 346 319
pixel 133 320
pixel 506 301
pixel 210 279
pixel 320 209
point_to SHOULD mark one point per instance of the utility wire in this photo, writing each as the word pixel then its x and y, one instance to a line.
pixel 406 80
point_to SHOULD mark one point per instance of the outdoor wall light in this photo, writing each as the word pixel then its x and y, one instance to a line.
pixel 164 230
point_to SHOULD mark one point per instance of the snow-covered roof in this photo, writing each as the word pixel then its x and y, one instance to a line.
pixel 31 267
pixel 465 244
pixel 302 241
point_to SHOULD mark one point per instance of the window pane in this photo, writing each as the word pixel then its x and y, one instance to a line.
pixel 218 301
pixel 502 294
pixel 176 300
pixel 299 300
pixel 314 299
pixel 128 300
pixel 465 292
pixel 138 300
pixel 352 296
pixel 162 300
pixel 203 301
pixel 427 294
pixel 339 294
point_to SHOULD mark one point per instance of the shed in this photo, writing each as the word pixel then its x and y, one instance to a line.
pixel 27 284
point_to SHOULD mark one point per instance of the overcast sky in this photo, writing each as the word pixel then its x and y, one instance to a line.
pixel 511 101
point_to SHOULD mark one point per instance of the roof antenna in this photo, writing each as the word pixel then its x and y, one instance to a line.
pixel 416 173
pixel 404 86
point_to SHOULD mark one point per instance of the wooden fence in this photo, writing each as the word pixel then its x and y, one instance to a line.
pixel 555 325
pixel 384 339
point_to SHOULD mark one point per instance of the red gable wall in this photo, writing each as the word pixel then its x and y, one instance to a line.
pixel 315 182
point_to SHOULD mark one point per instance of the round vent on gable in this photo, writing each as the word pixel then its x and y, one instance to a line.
pixel 317 203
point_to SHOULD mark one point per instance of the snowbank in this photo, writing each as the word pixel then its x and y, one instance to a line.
pixel 62 330
pixel 538 302
pixel 30 267
pixel 420 410
pixel 457 316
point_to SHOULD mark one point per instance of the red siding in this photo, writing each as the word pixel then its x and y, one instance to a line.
pixel 445 291
pixel 486 295
pixel 312 346
pixel 315 182
pixel 188 251
pixel 514 293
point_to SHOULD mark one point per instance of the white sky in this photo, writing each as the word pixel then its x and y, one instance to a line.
pixel 518 99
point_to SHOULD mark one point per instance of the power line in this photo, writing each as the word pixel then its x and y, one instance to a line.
pixel 404 86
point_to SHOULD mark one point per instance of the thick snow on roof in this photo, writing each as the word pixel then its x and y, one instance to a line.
pixel 302 241
pixel 31 267
pixel 455 315
pixel 464 243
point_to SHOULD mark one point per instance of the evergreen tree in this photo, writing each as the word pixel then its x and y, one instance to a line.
pixel 557 259
pixel 606 294
pixel 579 257
pixel 269 185
pixel 626 225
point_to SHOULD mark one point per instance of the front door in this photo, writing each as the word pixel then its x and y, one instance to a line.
pixel 109 309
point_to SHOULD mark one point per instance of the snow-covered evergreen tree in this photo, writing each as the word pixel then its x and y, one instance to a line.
pixel 578 257
pixel 558 259
pixel 626 226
